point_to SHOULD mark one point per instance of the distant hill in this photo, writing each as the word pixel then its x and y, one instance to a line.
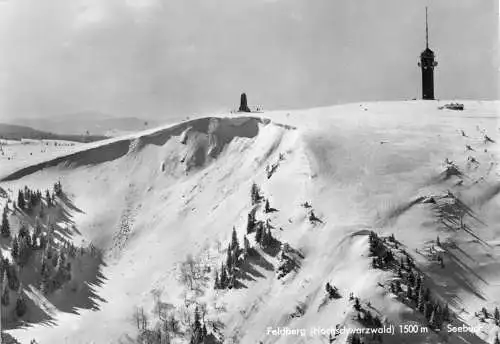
pixel 18 132
pixel 94 123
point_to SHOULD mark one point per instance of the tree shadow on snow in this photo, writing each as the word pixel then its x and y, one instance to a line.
pixel 82 291
pixel 248 272
pixel 69 203
pixel 458 276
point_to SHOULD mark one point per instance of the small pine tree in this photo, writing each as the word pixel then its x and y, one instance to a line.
pixel 44 285
pixel 446 313
pixel 223 277
pixel 267 208
pixel 55 258
pixel 48 199
pixel 235 245
pixel 5 291
pixel 420 300
pixel 197 323
pixel 246 245
pixel 368 318
pixel 250 223
pixel 232 282
pixel 427 294
pixel 357 305
pixel 409 293
pixel 20 200
pixel 229 259
pixel 5 226
pixel 34 241
pixel 217 282
pixel 20 304
pixel 13 278
pixel 264 238
pixel 255 194
pixel 23 231
pixel 497 340
pixel 15 249
pixel 204 331
pixel 259 233
pixel 24 250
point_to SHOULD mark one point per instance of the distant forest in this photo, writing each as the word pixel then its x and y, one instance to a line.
pixel 18 132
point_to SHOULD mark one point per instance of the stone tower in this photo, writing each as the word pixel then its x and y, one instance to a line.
pixel 427 64
pixel 243 103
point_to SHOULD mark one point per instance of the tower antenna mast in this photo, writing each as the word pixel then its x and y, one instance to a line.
pixel 426 30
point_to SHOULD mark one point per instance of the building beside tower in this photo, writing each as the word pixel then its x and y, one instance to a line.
pixel 427 64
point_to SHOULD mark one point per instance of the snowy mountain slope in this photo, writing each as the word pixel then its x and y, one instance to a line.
pixel 152 199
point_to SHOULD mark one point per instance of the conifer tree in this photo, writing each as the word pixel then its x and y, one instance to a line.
pixel 15 249
pixel 497 340
pixel 58 188
pixel 357 305
pixel 427 294
pixel 223 277
pixel 55 258
pixel 34 241
pixel 259 233
pixel 421 301
pixel 48 199
pixel 232 281
pixel 229 259
pixel 255 194
pixel 235 245
pixel 250 223
pixel 496 314
pixel 246 245
pixel 12 276
pixel 441 262
pixel 267 240
pixel 20 304
pixel 5 226
pixel 234 257
pixel 446 313
pixel 5 291
pixel 24 251
pixel 44 270
pixel 20 200
pixel 196 322
pixel 409 293
pixel 44 285
pixel 23 231
pixel 216 283
pixel 204 331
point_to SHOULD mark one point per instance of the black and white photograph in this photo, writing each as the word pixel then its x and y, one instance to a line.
pixel 249 172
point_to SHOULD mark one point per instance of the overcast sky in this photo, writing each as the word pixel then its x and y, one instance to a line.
pixel 160 58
